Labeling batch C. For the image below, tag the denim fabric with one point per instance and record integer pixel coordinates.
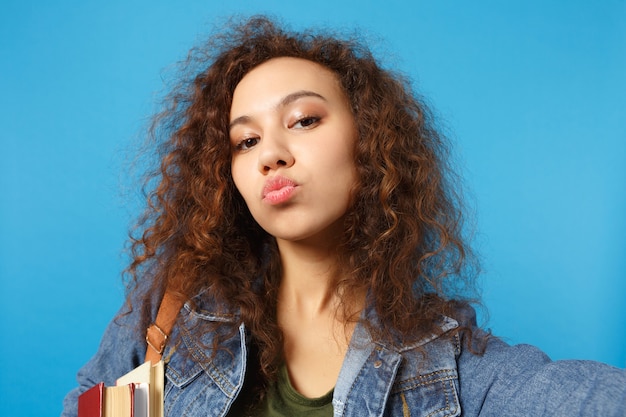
(436, 377)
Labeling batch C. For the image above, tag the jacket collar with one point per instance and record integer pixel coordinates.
(372, 366)
(193, 351)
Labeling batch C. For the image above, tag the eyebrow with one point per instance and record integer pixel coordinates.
(290, 98)
(287, 100)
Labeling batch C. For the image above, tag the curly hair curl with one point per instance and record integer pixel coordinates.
(403, 241)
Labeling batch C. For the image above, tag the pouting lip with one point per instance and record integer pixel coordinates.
(276, 183)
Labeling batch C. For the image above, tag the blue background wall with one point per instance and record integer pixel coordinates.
(533, 94)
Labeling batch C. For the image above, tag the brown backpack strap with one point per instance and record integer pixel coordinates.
(159, 330)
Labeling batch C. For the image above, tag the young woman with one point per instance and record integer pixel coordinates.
(305, 215)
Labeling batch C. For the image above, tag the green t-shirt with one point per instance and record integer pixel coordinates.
(282, 400)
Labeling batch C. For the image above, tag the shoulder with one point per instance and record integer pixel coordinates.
(491, 378)
(123, 345)
(522, 380)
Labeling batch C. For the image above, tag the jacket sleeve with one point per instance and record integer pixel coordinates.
(522, 381)
(122, 348)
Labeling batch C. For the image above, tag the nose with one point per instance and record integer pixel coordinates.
(274, 153)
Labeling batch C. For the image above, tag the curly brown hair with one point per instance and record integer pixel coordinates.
(403, 241)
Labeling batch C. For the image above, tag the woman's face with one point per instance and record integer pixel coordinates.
(293, 135)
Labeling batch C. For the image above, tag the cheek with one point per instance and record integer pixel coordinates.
(242, 180)
(235, 171)
(344, 162)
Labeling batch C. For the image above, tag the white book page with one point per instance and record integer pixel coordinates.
(139, 374)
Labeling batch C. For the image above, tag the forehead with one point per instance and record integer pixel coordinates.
(278, 77)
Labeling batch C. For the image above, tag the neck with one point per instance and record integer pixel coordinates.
(309, 274)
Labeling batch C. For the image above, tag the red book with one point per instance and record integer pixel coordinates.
(90, 402)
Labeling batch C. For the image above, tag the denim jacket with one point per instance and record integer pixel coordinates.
(436, 377)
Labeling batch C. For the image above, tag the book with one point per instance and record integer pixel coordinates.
(91, 402)
(101, 401)
(139, 393)
(154, 377)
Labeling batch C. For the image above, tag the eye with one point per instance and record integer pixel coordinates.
(246, 144)
(306, 122)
